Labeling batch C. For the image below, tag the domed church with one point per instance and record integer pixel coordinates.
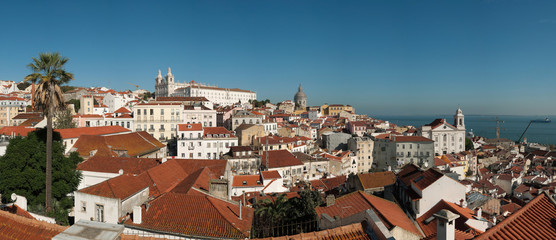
(300, 99)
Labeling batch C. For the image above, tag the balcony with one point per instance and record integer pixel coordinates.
(191, 147)
(162, 129)
(151, 130)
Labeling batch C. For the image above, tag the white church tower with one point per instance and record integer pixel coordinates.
(459, 120)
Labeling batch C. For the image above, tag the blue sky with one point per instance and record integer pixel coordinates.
(383, 57)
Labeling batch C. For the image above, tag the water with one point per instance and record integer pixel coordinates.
(485, 125)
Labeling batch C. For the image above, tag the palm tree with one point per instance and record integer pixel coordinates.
(48, 71)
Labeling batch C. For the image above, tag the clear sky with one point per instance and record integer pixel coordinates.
(383, 57)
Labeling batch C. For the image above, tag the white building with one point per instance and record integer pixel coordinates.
(196, 141)
(117, 100)
(7, 87)
(245, 117)
(167, 87)
(199, 114)
(420, 190)
(447, 138)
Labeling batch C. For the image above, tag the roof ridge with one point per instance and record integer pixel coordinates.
(518, 213)
(208, 197)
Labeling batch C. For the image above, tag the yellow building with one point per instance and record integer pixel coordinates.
(9, 108)
(336, 109)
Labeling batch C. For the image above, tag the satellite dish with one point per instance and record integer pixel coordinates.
(14, 197)
(426, 164)
(121, 171)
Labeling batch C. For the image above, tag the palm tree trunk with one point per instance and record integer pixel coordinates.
(48, 204)
(33, 97)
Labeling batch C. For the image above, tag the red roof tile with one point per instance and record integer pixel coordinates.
(534, 221)
(270, 174)
(120, 187)
(389, 212)
(429, 228)
(247, 181)
(190, 127)
(104, 130)
(211, 217)
(412, 139)
(354, 231)
(17, 227)
(280, 158)
(16, 130)
(327, 184)
(216, 130)
(114, 164)
(122, 110)
(134, 143)
(14, 209)
(377, 179)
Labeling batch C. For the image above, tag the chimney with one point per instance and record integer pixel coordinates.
(480, 213)
(445, 225)
(240, 208)
(20, 201)
(137, 215)
(163, 160)
(330, 200)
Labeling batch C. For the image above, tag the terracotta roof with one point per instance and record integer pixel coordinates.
(389, 212)
(114, 164)
(122, 110)
(247, 181)
(190, 127)
(16, 130)
(15, 227)
(280, 158)
(87, 116)
(14, 209)
(28, 115)
(377, 179)
(125, 115)
(211, 217)
(217, 130)
(438, 122)
(182, 99)
(429, 227)
(354, 231)
(534, 221)
(510, 207)
(327, 184)
(412, 139)
(134, 143)
(270, 174)
(104, 130)
(120, 187)
(427, 178)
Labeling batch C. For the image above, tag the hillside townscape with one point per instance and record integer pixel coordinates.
(194, 160)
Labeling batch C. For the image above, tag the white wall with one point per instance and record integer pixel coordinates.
(444, 188)
(111, 207)
(92, 178)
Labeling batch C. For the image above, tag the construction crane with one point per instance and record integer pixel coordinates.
(136, 86)
(533, 121)
(498, 127)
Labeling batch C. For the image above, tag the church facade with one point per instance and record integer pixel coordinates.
(167, 87)
(448, 138)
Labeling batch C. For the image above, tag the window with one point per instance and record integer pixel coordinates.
(138, 111)
(152, 112)
(161, 111)
(99, 212)
(83, 206)
(190, 155)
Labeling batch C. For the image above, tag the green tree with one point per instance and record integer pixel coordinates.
(23, 85)
(76, 104)
(468, 144)
(64, 119)
(48, 70)
(22, 171)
